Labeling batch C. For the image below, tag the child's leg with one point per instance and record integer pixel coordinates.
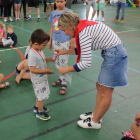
(118, 10)
(122, 10)
(1, 77)
(97, 13)
(22, 67)
(38, 11)
(39, 104)
(48, 9)
(94, 7)
(102, 12)
(52, 7)
(26, 76)
(18, 10)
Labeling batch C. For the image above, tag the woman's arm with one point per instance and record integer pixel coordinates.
(62, 52)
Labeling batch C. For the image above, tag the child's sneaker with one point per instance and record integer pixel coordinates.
(103, 20)
(38, 19)
(42, 115)
(10, 19)
(97, 19)
(121, 21)
(28, 19)
(35, 109)
(114, 20)
(88, 123)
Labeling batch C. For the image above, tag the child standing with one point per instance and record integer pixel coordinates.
(11, 35)
(48, 2)
(39, 71)
(59, 40)
(100, 7)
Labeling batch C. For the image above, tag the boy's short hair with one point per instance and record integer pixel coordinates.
(39, 36)
(10, 26)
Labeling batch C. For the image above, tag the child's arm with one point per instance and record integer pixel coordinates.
(51, 33)
(33, 69)
(48, 59)
(72, 45)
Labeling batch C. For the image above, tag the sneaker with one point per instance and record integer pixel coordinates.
(42, 115)
(121, 21)
(28, 18)
(103, 20)
(114, 20)
(38, 19)
(87, 115)
(5, 20)
(35, 109)
(97, 19)
(88, 123)
(47, 17)
(18, 19)
(10, 19)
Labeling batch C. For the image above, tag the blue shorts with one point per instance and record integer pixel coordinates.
(17, 1)
(17, 72)
(49, 1)
(114, 69)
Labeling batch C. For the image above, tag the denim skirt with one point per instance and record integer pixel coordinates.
(114, 69)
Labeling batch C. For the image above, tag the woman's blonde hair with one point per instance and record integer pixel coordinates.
(3, 26)
(67, 19)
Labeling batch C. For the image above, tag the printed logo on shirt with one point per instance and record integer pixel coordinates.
(56, 24)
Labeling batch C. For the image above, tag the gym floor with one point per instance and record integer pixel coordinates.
(17, 120)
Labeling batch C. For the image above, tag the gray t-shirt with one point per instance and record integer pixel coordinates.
(122, 1)
(35, 59)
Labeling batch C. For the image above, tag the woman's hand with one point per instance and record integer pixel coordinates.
(135, 130)
(137, 119)
(62, 70)
(59, 52)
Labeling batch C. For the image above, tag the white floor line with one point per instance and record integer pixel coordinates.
(14, 48)
(126, 31)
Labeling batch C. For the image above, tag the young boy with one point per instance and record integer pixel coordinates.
(48, 2)
(100, 7)
(34, 3)
(60, 41)
(39, 71)
(11, 35)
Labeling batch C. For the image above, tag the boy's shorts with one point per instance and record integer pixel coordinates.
(93, 4)
(49, 1)
(33, 3)
(41, 90)
(100, 6)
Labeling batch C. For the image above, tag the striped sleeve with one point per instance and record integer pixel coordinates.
(85, 42)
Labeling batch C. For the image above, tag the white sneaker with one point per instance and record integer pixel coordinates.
(87, 115)
(97, 19)
(5, 20)
(88, 123)
(10, 19)
(103, 20)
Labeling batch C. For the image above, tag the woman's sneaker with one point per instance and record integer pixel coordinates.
(43, 115)
(10, 19)
(88, 123)
(35, 109)
(5, 20)
(87, 115)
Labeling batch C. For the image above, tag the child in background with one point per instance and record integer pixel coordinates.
(1, 9)
(22, 70)
(100, 7)
(11, 35)
(59, 40)
(48, 2)
(2, 31)
(38, 69)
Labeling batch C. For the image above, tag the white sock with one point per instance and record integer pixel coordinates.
(29, 16)
(38, 16)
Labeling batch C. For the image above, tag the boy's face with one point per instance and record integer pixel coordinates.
(10, 30)
(41, 46)
(60, 4)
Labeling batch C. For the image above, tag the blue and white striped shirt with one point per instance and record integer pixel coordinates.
(98, 36)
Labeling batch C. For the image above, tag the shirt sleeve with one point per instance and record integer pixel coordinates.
(15, 40)
(85, 42)
(32, 61)
(51, 18)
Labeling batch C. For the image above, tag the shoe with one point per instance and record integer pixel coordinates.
(38, 19)
(10, 19)
(18, 19)
(35, 109)
(103, 20)
(114, 20)
(121, 21)
(28, 19)
(97, 19)
(5, 20)
(25, 17)
(87, 115)
(47, 17)
(42, 115)
(88, 123)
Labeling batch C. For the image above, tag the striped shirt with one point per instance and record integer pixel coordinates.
(98, 36)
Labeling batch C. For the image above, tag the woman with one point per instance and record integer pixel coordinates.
(89, 36)
(17, 5)
(7, 4)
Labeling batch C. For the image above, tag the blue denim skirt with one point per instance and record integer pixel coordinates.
(114, 69)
